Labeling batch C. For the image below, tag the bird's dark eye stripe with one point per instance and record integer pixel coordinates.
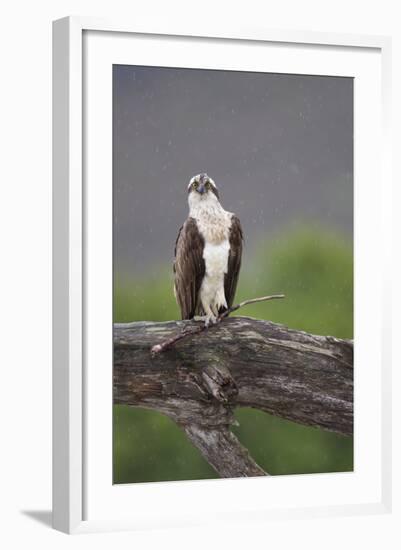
(208, 184)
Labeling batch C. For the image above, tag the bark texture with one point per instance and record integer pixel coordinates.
(241, 362)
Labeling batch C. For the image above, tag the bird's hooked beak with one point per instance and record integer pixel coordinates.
(201, 188)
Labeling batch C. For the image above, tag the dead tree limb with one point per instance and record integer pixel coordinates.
(191, 331)
(242, 362)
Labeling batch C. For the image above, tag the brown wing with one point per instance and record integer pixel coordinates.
(234, 260)
(189, 268)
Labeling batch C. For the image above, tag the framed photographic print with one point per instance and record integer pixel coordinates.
(219, 219)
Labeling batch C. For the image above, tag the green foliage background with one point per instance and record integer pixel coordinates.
(313, 267)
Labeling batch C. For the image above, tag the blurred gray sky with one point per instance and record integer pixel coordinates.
(279, 147)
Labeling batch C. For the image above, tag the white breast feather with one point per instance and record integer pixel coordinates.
(212, 289)
(214, 225)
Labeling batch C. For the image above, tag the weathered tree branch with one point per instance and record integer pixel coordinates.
(243, 362)
(223, 451)
(190, 332)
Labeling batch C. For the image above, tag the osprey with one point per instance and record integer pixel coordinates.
(207, 254)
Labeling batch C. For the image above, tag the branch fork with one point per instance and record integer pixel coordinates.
(167, 344)
(291, 374)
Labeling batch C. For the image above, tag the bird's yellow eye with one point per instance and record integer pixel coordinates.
(195, 184)
(208, 185)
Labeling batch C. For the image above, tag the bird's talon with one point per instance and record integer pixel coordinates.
(210, 319)
(199, 318)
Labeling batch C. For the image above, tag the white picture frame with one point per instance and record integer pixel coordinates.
(75, 478)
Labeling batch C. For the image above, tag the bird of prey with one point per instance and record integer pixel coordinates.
(207, 254)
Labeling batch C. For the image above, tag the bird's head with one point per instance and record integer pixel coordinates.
(202, 189)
